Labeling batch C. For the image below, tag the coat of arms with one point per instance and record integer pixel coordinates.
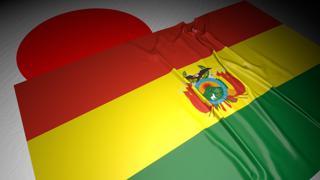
(218, 88)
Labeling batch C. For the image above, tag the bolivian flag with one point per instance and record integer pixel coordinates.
(232, 95)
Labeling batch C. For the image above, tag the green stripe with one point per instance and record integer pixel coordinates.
(271, 138)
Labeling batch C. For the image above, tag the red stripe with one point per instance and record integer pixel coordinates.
(52, 99)
(236, 23)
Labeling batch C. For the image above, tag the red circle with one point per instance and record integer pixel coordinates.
(71, 36)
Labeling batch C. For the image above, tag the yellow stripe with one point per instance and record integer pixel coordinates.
(120, 138)
(261, 62)
(276, 56)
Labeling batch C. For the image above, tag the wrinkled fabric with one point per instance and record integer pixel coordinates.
(142, 110)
